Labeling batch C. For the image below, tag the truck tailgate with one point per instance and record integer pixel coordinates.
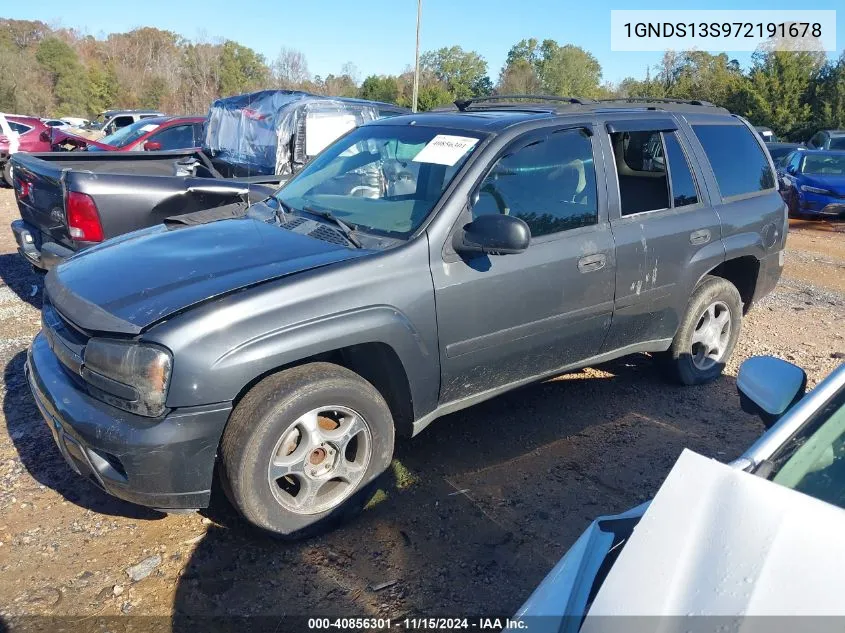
(40, 194)
(130, 190)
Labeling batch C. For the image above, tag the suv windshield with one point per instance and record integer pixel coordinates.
(813, 461)
(381, 179)
(126, 135)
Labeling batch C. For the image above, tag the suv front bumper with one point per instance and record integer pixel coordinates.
(164, 463)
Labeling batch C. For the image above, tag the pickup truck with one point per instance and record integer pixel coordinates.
(286, 348)
(70, 201)
(253, 144)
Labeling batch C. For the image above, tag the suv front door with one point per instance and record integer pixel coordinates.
(505, 319)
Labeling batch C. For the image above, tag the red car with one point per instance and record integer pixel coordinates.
(33, 136)
(153, 133)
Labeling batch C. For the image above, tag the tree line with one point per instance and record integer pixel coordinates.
(62, 72)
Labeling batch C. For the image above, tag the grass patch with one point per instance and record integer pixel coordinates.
(404, 477)
(379, 496)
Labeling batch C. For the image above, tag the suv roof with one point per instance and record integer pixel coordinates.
(499, 112)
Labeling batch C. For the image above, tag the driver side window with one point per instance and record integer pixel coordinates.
(549, 183)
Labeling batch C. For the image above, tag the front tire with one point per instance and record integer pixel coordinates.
(707, 335)
(303, 449)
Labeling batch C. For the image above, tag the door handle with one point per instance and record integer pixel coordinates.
(699, 237)
(589, 263)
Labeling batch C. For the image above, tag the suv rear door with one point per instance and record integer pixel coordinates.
(506, 318)
(743, 188)
(666, 232)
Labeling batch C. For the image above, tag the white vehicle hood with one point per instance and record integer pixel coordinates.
(717, 541)
(14, 138)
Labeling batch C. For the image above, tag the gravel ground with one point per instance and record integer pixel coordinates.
(479, 509)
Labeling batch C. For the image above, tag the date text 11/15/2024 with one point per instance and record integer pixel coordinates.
(417, 624)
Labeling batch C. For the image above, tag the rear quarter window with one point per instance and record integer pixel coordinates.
(738, 161)
(20, 128)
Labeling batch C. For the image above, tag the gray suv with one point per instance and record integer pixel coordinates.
(419, 265)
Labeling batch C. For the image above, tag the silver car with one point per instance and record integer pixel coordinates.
(803, 451)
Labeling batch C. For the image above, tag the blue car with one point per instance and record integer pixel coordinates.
(813, 183)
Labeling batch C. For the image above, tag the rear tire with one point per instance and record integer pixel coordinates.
(707, 335)
(7, 174)
(304, 448)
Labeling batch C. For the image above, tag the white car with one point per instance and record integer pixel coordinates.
(760, 536)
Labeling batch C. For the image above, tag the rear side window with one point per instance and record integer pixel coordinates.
(837, 142)
(176, 137)
(738, 161)
(549, 183)
(683, 184)
(20, 128)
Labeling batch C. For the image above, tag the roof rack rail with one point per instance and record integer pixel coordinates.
(697, 102)
(464, 104)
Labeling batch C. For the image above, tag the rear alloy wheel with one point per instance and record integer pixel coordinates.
(304, 448)
(707, 335)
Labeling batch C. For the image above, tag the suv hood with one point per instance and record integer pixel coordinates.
(127, 284)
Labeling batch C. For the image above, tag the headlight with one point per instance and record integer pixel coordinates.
(810, 189)
(130, 376)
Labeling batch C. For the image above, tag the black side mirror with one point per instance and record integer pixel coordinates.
(769, 387)
(493, 234)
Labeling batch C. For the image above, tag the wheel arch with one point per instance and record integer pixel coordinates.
(742, 272)
(376, 362)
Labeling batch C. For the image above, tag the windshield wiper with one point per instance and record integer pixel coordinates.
(281, 209)
(348, 231)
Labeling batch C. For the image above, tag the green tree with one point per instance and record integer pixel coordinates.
(433, 95)
(154, 93)
(241, 69)
(779, 90)
(380, 88)
(104, 88)
(518, 77)
(69, 79)
(827, 96)
(569, 70)
(464, 73)
(552, 69)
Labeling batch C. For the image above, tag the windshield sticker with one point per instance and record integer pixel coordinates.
(149, 127)
(445, 149)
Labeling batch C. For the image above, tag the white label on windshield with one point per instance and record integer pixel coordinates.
(149, 127)
(320, 131)
(445, 149)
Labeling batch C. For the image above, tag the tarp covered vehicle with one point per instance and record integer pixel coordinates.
(278, 131)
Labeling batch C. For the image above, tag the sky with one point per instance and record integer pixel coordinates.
(378, 35)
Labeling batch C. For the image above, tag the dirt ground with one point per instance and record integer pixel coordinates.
(484, 503)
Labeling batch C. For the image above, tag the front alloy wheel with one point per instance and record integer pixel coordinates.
(304, 449)
(320, 461)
